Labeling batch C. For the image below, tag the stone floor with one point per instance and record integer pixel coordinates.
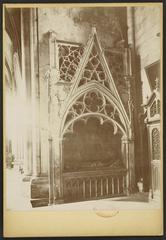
(18, 195)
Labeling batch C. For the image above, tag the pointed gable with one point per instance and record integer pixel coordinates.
(93, 70)
(93, 66)
(93, 76)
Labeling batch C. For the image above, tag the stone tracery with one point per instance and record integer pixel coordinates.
(69, 58)
(93, 70)
(93, 103)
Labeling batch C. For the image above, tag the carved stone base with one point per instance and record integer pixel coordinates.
(39, 202)
(39, 191)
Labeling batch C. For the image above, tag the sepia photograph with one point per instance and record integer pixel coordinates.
(82, 107)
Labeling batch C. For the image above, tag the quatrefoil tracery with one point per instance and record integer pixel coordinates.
(93, 101)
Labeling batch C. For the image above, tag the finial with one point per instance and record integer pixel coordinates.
(94, 29)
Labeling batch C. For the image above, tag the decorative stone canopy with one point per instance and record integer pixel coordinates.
(93, 77)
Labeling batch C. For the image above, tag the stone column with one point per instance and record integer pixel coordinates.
(55, 119)
(135, 86)
(51, 173)
(56, 147)
(35, 94)
(130, 25)
(25, 162)
(125, 155)
(40, 186)
(131, 159)
(26, 78)
(128, 153)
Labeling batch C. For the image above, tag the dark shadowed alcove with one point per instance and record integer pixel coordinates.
(92, 145)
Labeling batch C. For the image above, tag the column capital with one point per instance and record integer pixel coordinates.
(124, 138)
(52, 35)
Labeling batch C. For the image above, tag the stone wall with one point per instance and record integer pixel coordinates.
(74, 24)
(147, 42)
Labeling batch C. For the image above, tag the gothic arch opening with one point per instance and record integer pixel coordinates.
(93, 157)
(92, 101)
